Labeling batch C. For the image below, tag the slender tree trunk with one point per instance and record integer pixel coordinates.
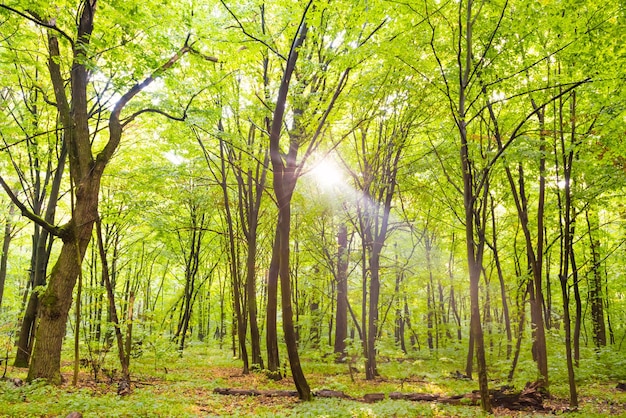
(42, 247)
(452, 301)
(578, 307)
(534, 254)
(457, 315)
(370, 364)
(503, 298)
(595, 284)
(123, 358)
(567, 242)
(285, 289)
(284, 181)
(271, 331)
(341, 317)
(429, 317)
(4, 257)
(475, 257)
(398, 300)
(255, 339)
(469, 360)
(520, 333)
(238, 298)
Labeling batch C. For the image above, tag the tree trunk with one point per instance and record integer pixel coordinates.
(271, 331)
(42, 246)
(567, 216)
(4, 257)
(235, 273)
(534, 253)
(255, 339)
(56, 301)
(284, 181)
(285, 290)
(578, 308)
(474, 257)
(520, 333)
(503, 298)
(595, 284)
(429, 316)
(372, 330)
(341, 317)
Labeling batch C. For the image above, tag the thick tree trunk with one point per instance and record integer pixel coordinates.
(56, 301)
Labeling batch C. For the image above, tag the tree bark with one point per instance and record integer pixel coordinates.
(595, 283)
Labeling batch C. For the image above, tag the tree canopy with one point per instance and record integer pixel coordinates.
(381, 179)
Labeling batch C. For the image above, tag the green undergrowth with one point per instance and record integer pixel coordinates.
(168, 385)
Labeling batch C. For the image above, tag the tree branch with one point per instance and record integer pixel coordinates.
(115, 125)
(515, 134)
(249, 35)
(39, 22)
(52, 229)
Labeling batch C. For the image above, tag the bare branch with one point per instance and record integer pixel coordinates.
(39, 22)
(376, 29)
(516, 132)
(52, 229)
(194, 51)
(164, 113)
(251, 36)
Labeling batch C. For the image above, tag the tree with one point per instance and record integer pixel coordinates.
(86, 170)
(379, 146)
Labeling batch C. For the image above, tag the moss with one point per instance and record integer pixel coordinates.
(49, 300)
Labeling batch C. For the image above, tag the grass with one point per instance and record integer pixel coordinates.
(167, 385)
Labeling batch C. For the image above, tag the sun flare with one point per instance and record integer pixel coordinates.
(327, 173)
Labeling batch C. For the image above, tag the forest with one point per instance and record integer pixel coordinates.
(277, 207)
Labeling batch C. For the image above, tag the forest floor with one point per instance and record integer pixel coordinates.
(171, 386)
